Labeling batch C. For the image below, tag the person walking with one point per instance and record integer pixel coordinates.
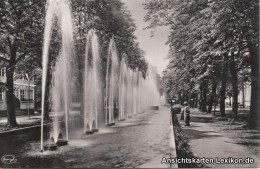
(182, 113)
(186, 111)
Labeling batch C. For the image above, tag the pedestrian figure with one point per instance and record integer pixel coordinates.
(186, 111)
(182, 113)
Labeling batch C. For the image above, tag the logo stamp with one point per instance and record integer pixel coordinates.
(9, 159)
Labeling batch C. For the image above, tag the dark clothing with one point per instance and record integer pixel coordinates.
(182, 116)
(186, 115)
(187, 121)
(182, 113)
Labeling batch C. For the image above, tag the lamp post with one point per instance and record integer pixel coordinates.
(28, 77)
(28, 94)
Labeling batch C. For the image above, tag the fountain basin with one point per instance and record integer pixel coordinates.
(95, 130)
(62, 142)
(50, 147)
(89, 132)
(154, 107)
(111, 124)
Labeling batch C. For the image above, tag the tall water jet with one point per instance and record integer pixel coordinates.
(61, 10)
(134, 88)
(91, 83)
(129, 92)
(152, 88)
(57, 98)
(111, 83)
(139, 91)
(122, 89)
(133, 94)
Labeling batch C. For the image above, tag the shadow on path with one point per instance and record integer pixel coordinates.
(206, 141)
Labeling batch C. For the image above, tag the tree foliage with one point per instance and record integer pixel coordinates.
(209, 42)
(21, 36)
(21, 32)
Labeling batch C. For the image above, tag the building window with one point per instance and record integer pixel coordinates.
(22, 94)
(2, 72)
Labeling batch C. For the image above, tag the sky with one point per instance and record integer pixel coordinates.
(155, 49)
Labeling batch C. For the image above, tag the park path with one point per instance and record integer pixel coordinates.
(140, 141)
(206, 141)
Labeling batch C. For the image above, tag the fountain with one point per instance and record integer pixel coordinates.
(134, 78)
(59, 103)
(50, 147)
(139, 91)
(122, 89)
(111, 83)
(61, 10)
(127, 92)
(91, 83)
(136, 93)
(152, 92)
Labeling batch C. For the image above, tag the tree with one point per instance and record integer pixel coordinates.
(252, 39)
(182, 17)
(109, 18)
(21, 36)
(200, 30)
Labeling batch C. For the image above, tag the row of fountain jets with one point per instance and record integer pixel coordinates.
(127, 92)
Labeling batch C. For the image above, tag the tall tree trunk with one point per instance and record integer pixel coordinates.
(186, 96)
(215, 104)
(192, 100)
(204, 97)
(81, 75)
(82, 98)
(230, 102)
(10, 101)
(196, 102)
(223, 85)
(212, 96)
(201, 97)
(233, 72)
(243, 94)
(253, 120)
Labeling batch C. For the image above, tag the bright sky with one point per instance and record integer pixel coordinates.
(154, 47)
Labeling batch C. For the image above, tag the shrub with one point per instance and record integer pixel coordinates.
(183, 149)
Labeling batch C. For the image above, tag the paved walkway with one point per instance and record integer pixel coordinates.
(140, 141)
(26, 119)
(21, 119)
(206, 141)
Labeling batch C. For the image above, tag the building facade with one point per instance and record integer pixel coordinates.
(246, 96)
(24, 90)
(243, 97)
